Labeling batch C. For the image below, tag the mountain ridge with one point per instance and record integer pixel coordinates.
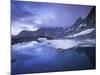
(81, 25)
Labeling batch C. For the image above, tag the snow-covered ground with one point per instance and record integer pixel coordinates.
(84, 32)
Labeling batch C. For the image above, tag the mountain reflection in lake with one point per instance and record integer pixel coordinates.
(35, 57)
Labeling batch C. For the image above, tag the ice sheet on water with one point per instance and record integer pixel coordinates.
(58, 43)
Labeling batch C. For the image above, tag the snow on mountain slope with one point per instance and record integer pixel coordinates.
(87, 31)
(84, 32)
(83, 28)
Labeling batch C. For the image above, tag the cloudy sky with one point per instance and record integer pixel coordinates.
(34, 15)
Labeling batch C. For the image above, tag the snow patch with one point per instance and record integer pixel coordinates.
(67, 30)
(84, 32)
(80, 25)
(85, 25)
(77, 28)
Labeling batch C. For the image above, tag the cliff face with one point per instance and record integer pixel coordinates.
(84, 26)
(91, 18)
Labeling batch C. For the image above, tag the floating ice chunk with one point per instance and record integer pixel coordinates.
(24, 45)
(42, 39)
(63, 44)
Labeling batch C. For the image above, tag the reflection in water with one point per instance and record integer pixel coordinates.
(31, 57)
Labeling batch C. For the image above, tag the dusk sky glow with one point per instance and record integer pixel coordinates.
(34, 15)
